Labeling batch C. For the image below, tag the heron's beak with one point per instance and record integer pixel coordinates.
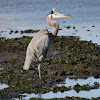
(57, 15)
(62, 15)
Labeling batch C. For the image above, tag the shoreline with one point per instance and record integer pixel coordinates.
(86, 33)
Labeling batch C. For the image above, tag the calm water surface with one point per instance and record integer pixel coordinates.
(31, 14)
(2, 86)
(69, 82)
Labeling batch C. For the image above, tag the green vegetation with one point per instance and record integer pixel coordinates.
(67, 56)
(66, 98)
(78, 88)
(24, 31)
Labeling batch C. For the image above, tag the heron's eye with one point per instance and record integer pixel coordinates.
(51, 12)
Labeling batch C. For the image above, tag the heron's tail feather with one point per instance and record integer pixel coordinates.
(27, 64)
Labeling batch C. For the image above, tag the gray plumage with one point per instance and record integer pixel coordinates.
(38, 47)
(40, 43)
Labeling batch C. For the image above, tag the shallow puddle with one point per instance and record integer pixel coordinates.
(69, 82)
(72, 82)
(86, 94)
(2, 86)
(1, 68)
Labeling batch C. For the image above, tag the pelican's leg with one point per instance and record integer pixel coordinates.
(39, 71)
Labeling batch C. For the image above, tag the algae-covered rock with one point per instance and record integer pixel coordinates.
(67, 56)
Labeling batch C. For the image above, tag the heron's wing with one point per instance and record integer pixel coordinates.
(39, 43)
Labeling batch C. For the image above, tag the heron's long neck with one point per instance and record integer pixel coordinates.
(53, 24)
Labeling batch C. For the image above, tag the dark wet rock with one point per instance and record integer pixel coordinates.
(75, 98)
(24, 31)
(74, 33)
(74, 27)
(60, 29)
(66, 98)
(87, 87)
(68, 27)
(93, 26)
(97, 76)
(88, 30)
(11, 31)
(76, 30)
(58, 80)
(29, 31)
(16, 31)
(61, 89)
(96, 85)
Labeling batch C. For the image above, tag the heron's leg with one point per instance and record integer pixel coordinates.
(39, 71)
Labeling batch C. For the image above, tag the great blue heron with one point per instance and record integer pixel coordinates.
(40, 43)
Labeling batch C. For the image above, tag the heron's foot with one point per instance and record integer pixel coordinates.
(42, 79)
(31, 67)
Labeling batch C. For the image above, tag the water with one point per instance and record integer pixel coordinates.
(69, 82)
(31, 14)
(72, 82)
(86, 94)
(2, 86)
